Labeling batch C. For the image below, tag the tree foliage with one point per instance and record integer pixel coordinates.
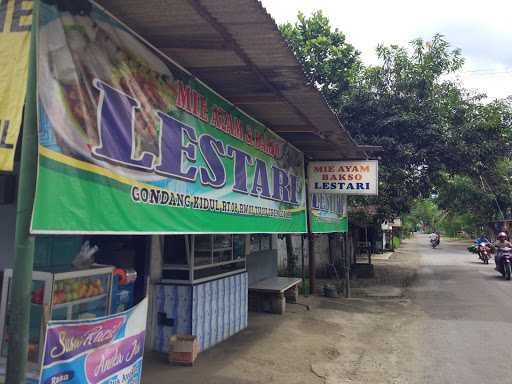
(425, 215)
(331, 63)
(436, 137)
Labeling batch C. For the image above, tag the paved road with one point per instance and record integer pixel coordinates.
(466, 330)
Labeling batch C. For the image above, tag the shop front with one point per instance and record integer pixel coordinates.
(135, 153)
(134, 144)
(159, 176)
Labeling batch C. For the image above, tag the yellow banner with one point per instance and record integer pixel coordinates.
(15, 25)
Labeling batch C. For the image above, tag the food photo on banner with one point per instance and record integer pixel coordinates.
(129, 142)
(99, 351)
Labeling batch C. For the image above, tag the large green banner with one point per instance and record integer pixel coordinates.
(130, 142)
(328, 213)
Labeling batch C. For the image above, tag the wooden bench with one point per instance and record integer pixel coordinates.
(271, 294)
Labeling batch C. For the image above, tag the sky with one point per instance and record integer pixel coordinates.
(482, 30)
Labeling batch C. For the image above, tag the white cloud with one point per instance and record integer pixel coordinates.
(483, 30)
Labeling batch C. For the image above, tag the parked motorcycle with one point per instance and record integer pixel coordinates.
(504, 262)
(484, 252)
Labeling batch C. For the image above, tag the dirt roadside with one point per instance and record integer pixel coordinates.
(381, 326)
(366, 339)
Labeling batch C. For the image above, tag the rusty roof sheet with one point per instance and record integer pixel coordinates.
(235, 47)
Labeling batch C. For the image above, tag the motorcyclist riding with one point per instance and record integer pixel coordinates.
(482, 239)
(483, 248)
(500, 243)
(435, 238)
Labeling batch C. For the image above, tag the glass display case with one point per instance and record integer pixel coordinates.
(58, 295)
(199, 258)
(261, 242)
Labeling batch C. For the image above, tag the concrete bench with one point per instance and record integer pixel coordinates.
(271, 294)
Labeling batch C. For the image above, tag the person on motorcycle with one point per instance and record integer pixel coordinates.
(482, 239)
(435, 239)
(435, 236)
(500, 243)
(483, 248)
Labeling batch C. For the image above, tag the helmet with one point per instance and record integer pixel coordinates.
(502, 235)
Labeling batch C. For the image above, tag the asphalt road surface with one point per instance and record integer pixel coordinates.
(465, 332)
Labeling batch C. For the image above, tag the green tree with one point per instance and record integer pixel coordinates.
(436, 137)
(330, 63)
(424, 213)
(478, 184)
(406, 106)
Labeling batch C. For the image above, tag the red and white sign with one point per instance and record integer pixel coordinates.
(344, 177)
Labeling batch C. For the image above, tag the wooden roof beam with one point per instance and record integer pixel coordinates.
(294, 128)
(243, 68)
(163, 42)
(315, 147)
(257, 99)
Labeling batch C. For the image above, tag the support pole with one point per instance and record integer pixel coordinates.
(311, 239)
(19, 309)
(347, 265)
(291, 264)
(312, 263)
(306, 293)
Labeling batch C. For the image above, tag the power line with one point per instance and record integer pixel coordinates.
(504, 73)
(478, 72)
(485, 70)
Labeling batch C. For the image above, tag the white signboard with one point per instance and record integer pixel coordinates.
(345, 177)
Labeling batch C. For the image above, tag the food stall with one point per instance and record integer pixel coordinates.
(65, 295)
(60, 291)
(203, 289)
(63, 290)
(132, 143)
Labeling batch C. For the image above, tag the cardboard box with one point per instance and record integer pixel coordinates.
(183, 349)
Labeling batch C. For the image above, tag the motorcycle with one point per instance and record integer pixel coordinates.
(484, 252)
(434, 242)
(504, 262)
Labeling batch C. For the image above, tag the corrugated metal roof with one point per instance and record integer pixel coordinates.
(235, 47)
